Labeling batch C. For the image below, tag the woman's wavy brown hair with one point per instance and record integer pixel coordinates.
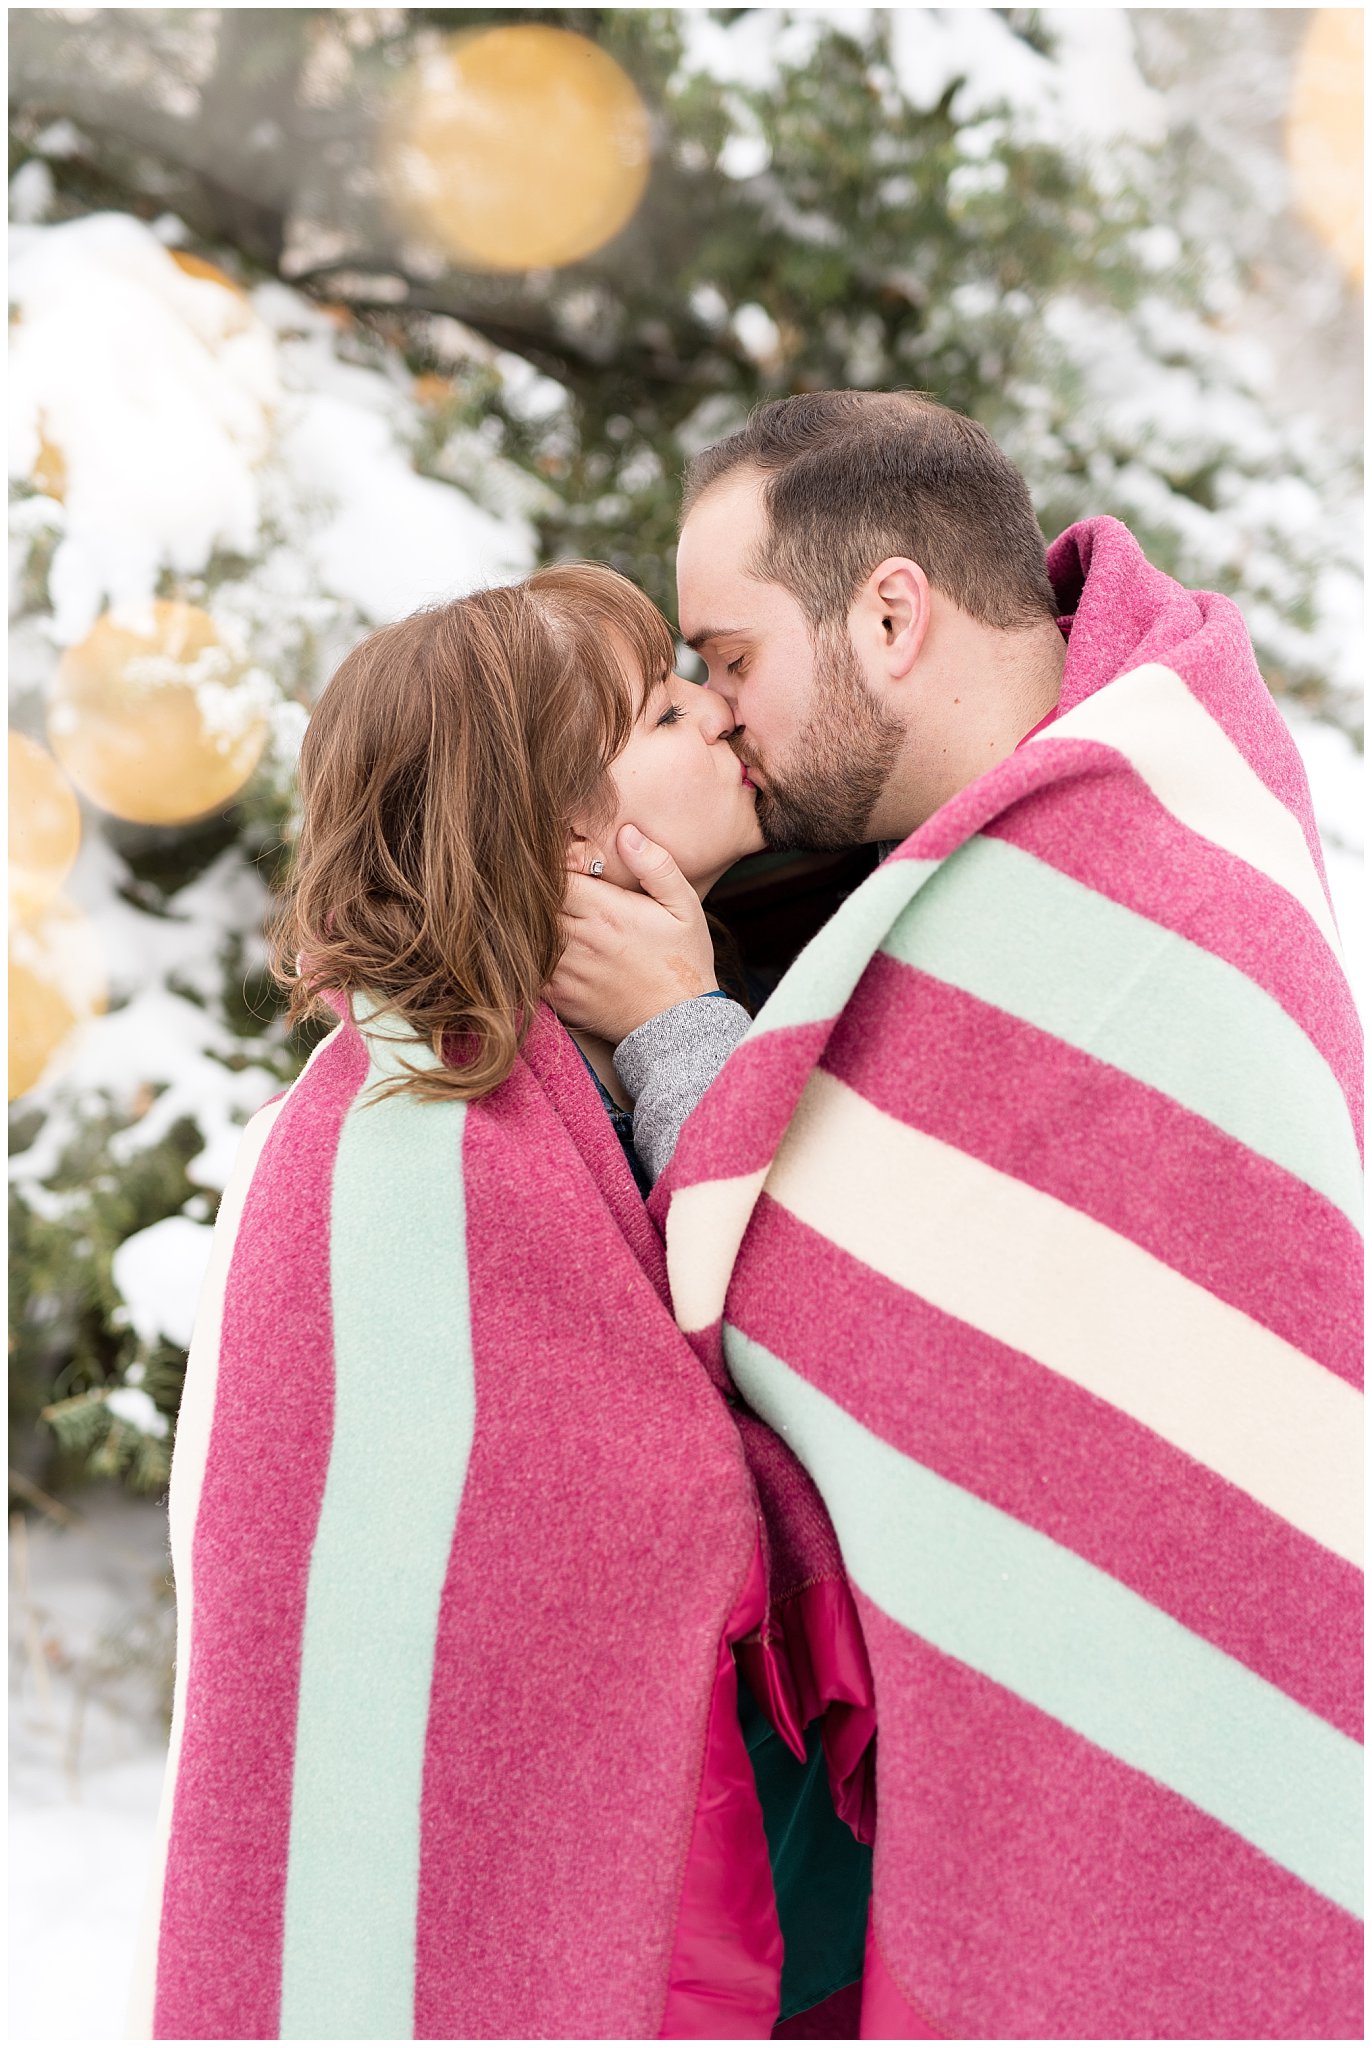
(440, 773)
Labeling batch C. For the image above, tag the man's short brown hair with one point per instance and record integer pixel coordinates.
(852, 477)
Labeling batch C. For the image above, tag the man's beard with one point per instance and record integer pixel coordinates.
(843, 758)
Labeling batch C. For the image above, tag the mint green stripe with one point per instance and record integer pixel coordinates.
(403, 1421)
(1016, 933)
(822, 977)
(1037, 1619)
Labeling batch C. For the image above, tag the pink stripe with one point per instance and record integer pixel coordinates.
(219, 1964)
(1108, 830)
(978, 1078)
(607, 1509)
(560, 1071)
(1057, 1458)
(887, 2014)
(1030, 1885)
(737, 1124)
(801, 1546)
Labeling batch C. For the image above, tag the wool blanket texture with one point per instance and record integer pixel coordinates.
(1028, 1215)
(462, 1538)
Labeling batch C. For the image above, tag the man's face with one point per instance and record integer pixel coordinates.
(811, 733)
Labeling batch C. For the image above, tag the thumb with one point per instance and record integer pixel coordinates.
(655, 871)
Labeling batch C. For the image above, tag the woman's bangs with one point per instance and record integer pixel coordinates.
(617, 608)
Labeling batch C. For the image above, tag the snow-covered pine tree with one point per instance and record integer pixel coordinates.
(337, 423)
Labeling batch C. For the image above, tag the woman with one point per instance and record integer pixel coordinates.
(463, 1535)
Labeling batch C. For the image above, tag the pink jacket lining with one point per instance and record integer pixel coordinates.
(803, 1659)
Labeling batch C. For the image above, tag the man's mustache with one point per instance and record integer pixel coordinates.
(744, 756)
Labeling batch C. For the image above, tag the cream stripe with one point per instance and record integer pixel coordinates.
(1031, 1615)
(195, 1419)
(1197, 773)
(705, 1226)
(1052, 1282)
(194, 1422)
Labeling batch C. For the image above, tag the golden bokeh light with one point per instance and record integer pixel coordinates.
(1324, 133)
(156, 720)
(56, 984)
(518, 147)
(45, 827)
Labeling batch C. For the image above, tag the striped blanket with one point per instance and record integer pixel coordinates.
(1028, 1215)
(462, 1537)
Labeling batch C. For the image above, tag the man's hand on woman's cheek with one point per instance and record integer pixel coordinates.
(629, 956)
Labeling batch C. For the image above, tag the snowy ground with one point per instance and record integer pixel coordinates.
(90, 1650)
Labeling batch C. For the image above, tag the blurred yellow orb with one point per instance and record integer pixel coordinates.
(154, 718)
(56, 984)
(1324, 133)
(518, 147)
(45, 827)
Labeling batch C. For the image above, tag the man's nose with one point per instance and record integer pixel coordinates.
(722, 684)
(717, 719)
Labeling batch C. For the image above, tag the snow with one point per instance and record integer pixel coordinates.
(747, 52)
(32, 190)
(744, 156)
(347, 452)
(170, 395)
(90, 1657)
(156, 387)
(1090, 92)
(132, 1405)
(1162, 396)
(158, 1272)
(757, 332)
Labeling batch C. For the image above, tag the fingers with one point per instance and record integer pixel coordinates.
(583, 897)
(656, 872)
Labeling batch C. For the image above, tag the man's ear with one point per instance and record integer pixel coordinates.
(890, 616)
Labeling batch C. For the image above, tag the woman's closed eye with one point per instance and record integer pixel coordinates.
(671, 715)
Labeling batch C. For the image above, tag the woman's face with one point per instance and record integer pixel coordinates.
(681, 783)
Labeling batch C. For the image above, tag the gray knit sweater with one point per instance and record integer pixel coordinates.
(669, 1062)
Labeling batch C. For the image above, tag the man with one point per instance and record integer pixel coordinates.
(867, 687)
(1027, 1212)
